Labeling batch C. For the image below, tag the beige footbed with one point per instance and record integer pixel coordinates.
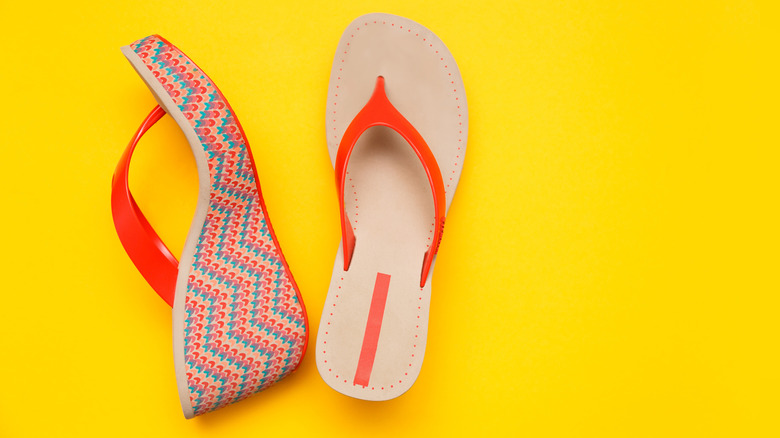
(188, 253)
(388, 198)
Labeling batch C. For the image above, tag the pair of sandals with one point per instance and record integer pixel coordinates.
(239, 322)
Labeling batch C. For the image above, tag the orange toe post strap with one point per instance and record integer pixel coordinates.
(149, 254)
(380, 112)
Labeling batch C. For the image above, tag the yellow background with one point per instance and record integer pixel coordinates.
(611, 258)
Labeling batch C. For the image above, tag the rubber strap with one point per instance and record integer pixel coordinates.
(380, 112)
(149, 254)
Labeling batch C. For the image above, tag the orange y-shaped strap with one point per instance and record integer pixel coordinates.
(149, 254)
(380, 112)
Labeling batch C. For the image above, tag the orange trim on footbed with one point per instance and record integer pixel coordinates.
(373, 327)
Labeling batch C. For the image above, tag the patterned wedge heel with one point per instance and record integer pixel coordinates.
(239, 323)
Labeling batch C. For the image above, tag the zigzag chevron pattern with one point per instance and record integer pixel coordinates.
(245, 327)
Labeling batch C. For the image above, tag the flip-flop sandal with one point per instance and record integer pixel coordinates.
(395, 183)
(239, 323)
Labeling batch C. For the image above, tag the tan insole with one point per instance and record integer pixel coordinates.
(389, 202)
(188, 253)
